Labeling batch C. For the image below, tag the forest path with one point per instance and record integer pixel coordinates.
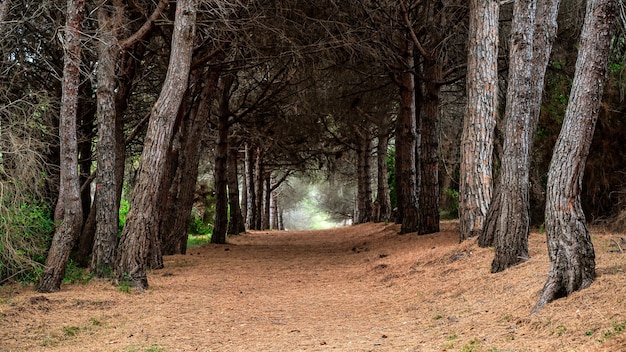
(358, 288)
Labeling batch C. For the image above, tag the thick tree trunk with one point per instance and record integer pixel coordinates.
(406, 145)
(68, 214)
(383, 201)
(141, 226)
(428, 221)
(480, 118)
(572, 257)
(105, 239)
(183, 186)
(364, 183)
(511, 246)
(508, 216)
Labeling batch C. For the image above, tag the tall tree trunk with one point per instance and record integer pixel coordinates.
(244, 192)
(68, 214)
(105, 239)
(181, 193)
(235, 223)
(265, 224)
(508, 216)
(476, 181)
(364, 188)
(428, 221)
(221, 180)
(274, 216)
(258, 187)
(383, 200)
(250, 191)
(511, 247)
(572, 258)
(406, 145)
(141, 226)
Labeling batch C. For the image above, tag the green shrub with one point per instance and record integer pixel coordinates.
(124, 208)
(26, 230)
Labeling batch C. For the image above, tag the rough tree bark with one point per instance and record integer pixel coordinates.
(480, 118)
(406, 142)
(181, 193)
(572, 257)
(508, 220)
(105, 238)
(428, 220)
(511, 246)
(141, 226)
(68, 214)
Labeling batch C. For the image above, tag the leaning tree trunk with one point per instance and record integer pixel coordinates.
(406, 141)
(105, 238)
(183, 186)
(572, 258)
(141, 224)
(68, 214)
(480, 118)
(508, 216)
(429, 150)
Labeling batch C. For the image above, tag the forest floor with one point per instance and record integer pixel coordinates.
(358, 288)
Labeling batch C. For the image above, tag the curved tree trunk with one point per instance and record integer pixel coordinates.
(572, 258)
(183, 186)
(68, 213)
(508, 216)
(142, 226)
(480, 118)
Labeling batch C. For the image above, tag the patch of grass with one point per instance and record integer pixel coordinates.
(560, 330)
(617, 329)
(153, 348)
(198, 240)
(76, 275)
(472, 346)
(437, 316)
(453, 337)
(71, 330)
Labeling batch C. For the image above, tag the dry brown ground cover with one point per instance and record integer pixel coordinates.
(360, 288)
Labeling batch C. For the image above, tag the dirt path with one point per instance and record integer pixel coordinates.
(360, 288)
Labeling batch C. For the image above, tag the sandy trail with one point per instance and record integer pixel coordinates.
(359, 288)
